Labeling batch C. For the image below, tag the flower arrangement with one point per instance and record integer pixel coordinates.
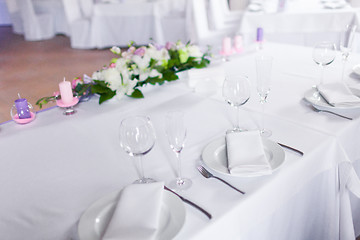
(136, 67)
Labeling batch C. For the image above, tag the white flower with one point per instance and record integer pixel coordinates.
(115, 50)
(113, 78)
(194, 51)
(97, 75)
(154, 73)
(141, 62)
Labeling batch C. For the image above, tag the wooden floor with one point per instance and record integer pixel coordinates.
(34, 69)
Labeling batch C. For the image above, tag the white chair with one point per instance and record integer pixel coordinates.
(221, 18)
(80, 26)
(86, 7)
(198, 26)
(15, 16)
(237, 4)
(36, 26)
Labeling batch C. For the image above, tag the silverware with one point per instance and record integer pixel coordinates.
(336, 114)
(291, 148)
(190, 202)
(208, 174)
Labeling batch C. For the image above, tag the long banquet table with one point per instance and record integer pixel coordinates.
(54, 168)
(304, 22)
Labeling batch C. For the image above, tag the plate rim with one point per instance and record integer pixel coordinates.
(110, 198)
(221, 141)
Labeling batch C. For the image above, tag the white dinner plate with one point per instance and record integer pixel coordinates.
(214, 157)
(356, 69)
(255, 7)
(95, 219)
(335, 5)
(323, 105)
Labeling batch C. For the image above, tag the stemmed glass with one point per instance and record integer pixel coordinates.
(137, 138)
(236, 92)
(263, 77)
(176, 134)
(323, 54)
(346, 40)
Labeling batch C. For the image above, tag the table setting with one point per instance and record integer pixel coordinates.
(249, 159)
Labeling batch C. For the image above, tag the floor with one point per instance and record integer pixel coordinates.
(34, 69)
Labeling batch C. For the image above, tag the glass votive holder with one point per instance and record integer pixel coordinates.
(22, 112)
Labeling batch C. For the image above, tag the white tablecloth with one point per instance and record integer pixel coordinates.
(55, 167)
(303, 22)
(116, 24)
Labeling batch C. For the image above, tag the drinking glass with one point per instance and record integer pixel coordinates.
(323, 54)
(346, 40)
(137, 138)
(263, 79)
(176, 134)
(236, 92)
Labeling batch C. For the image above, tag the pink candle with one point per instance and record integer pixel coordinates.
(238, 44)
(66, 92)
(226, 45)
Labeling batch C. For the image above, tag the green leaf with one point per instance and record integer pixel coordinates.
(137, 94)
(100, 87)
(169, 75)
(106, 96)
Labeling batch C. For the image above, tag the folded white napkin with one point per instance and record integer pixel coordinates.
(137, 213)
(338, 95)
(245, 153)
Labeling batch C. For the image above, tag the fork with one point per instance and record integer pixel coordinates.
(208, 174)
(336, 114)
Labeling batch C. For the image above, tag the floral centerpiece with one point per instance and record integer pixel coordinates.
(136, 67)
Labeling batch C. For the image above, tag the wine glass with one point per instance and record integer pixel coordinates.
(263, 79)
(176, 134)
(346, 40)
(323, 54)
(137, 138)
(236, 92)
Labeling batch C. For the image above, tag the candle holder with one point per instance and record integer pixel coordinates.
(68, 107)
(17, 117)
(226, 54)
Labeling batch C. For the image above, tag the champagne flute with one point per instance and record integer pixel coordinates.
(137, 138)
(236, 92)
(323, 54)
(346, 40)
(263, 77)
(176, 134)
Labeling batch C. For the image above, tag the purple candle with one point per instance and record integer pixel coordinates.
(22, 108)
(259, 34)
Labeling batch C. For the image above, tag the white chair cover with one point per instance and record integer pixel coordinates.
(36, 26)
(80, 27)
(86, 7)
(238, 4)
(219, 19)
(198, 26)
(15, 16)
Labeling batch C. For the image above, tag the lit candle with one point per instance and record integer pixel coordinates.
(66, 92)
(226, 45)
(22, 108)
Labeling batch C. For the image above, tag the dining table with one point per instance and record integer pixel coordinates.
(304, 22)
(55, 168)
(118, 22)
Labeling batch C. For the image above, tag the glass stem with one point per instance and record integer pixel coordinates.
(262, 116)
(179, 181)
(322, 74)
(140, 167)
(343, 69)
(237, 124)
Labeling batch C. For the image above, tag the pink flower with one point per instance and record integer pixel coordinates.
(169, 45)
(57, 93)
(112, 65)
(140, 51)
(75, 82)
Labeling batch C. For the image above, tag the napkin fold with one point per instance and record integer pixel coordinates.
(338, 95)
(245, 153)
(137, 213)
